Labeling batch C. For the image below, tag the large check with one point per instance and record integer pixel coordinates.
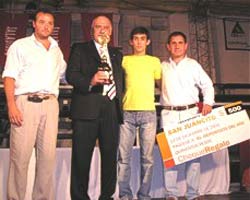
(223, 127)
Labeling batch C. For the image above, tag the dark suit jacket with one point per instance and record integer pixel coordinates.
(83, 64)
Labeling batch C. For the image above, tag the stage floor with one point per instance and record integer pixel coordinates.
(231, 196)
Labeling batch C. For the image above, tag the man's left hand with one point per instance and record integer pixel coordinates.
(206, 109)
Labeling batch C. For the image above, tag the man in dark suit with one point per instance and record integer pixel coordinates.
(95, 114)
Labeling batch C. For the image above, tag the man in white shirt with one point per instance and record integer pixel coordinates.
(31, 77)
(182, 80)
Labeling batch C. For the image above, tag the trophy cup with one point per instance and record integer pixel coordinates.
(104, 66)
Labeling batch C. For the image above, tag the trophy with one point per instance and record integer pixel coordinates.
(104, 66)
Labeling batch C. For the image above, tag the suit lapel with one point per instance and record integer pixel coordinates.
(93, 51)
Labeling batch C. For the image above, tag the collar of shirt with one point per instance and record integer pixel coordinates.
(98, 46)
(174, 64)
(53, 42)
(36, 69)
(106, 52)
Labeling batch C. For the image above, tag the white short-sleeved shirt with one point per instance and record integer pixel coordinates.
(34, 68)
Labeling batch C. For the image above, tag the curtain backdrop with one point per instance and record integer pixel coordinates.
(62, 32)
(12, 27)
(15, 26)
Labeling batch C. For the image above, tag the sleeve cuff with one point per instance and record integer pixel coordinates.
(90, 87)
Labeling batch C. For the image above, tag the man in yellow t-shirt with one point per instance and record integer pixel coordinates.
(141, 73)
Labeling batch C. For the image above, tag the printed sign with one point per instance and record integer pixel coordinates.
(12, 28)
(223, 127)
(237, 34)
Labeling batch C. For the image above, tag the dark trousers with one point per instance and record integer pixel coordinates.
(85, 133)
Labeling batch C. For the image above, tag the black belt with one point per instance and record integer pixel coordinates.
(179, 108)
(36, 98)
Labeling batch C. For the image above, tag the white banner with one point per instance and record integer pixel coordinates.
(223, 127)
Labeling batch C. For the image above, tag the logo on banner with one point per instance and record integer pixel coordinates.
(237, 33)
(237, 30)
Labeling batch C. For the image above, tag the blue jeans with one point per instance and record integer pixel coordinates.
(145, 121)
(192, 172)
(191, 168)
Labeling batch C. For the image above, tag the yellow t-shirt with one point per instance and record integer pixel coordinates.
(140, 75)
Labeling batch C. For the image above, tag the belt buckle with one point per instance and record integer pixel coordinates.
(35, 98)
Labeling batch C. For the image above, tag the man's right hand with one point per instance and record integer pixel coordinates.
(15, 116)
(100, 78)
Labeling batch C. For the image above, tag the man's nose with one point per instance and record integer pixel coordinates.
(102, 30)
(139, 42)
(46, 26)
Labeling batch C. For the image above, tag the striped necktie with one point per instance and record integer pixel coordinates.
(110, 89)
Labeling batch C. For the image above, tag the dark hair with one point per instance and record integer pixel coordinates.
(139, 30)
(42, 10)
(177, 33)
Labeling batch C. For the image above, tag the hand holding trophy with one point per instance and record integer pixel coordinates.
(104, 66)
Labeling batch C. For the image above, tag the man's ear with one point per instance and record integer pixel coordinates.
(167, 47)
(130, 42)
(186, 46)
(33, 24)
(148, 42)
